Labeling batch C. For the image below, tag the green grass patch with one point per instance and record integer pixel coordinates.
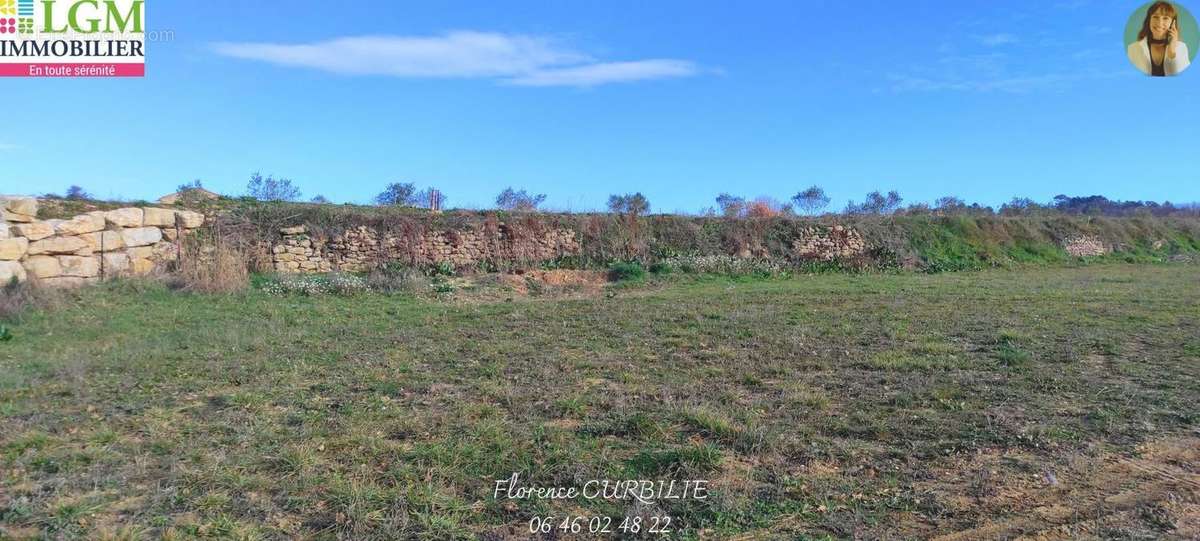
(826, 405)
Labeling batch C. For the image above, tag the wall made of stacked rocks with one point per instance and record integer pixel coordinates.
(362, 248)
(89, 247)
(1082, 246)
(828, 244)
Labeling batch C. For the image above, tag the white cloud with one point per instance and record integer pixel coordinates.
(608, 72)
(996, 40)
(519, 59)
(1011, 84)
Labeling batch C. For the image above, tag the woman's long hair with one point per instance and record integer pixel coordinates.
(1166, 6)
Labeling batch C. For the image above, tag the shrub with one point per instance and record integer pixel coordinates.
(76, 193)
(221, 269)
(731, 205)
(634, 204)
(405, 194)
(441, 285)
(811, 201)
(620, 272)
(876, 203)
(189, 186)
(397, 193)
(519, 200)
(14, 299)
(271, 188)
(660, 268)
(764, 207)
(441, 268)
(17, 298)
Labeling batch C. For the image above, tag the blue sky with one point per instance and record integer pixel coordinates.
(679, 100)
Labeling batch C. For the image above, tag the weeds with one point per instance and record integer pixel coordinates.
(216, 268)
(398, 279)
(626, 272)
(316, 285)
(724, 265)
(1009, 351)
(18, 298)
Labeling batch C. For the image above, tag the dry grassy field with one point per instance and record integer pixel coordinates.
(1058, 402)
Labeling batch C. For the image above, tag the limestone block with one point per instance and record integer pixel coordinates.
(126, 217)
(164, 251)
(141, 252)
(81, 267)
(104, 241)
(191, 220)
(298, 230)
(10, 216)
(20, 204)
(10, 270)
(171, 234)
(158, 217)
(13, 249)
(5, 231)
(84, 223)
(142, 236)
(34, 231)
(116, 263)
(140, 266)
(43, 266)
(58, 245)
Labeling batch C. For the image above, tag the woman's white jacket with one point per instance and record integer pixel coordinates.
(1139, 54)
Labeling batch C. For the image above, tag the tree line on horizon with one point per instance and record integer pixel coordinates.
(812, 201)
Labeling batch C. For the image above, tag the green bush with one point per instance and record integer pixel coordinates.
(442, 268)
(620, 272)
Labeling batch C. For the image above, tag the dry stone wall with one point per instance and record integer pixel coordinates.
(829, 244)
(1082, 246)
(89, 247)
(362, 248)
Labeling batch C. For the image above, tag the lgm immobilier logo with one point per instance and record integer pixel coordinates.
(72, 38)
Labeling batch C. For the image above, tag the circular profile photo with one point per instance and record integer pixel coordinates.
(1162, 39)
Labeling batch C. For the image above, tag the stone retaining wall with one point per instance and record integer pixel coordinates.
(88, 247)
(1084, 246)
(363, 248)
(829, 244)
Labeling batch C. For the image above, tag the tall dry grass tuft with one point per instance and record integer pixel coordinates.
(17, 298)
(212, 267)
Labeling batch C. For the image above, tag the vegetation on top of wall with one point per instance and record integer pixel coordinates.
(931, 242)
(926, 242)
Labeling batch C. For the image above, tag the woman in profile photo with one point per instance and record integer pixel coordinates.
(1160, 50)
